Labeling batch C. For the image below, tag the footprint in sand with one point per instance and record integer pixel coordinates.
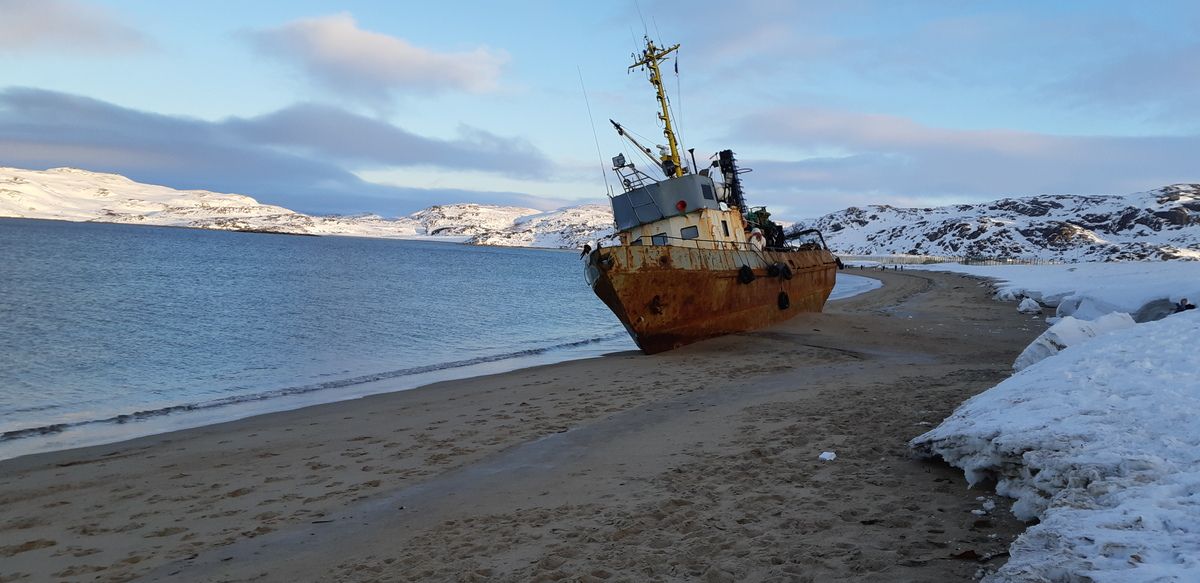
(75, 570)
(166, 532)
(26, 546)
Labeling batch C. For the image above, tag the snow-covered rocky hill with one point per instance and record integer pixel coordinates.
(71, 194)
(1154, 225)
(468, 220)
(565, 228)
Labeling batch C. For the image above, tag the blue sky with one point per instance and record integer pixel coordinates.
(391, 107)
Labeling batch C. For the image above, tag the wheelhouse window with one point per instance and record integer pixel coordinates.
(707, 192)
(692, 232)
(659, 239)
(637, 241)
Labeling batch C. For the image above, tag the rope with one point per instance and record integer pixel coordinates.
(595, 136)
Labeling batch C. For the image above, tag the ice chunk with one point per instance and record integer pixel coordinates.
(1101, 445)
(828, 456)
(1069, 331)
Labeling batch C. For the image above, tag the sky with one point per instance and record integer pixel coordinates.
(390, 107)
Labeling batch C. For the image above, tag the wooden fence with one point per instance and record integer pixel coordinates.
(965, 260)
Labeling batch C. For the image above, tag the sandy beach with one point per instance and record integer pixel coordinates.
(699, 464)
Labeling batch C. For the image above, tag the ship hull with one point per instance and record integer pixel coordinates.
(668, 296)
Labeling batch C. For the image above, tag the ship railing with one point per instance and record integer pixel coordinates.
(744, 252)
(667, 240)
(633, 177)
(670, 241)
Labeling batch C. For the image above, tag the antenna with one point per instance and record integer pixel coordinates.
(595, 136)
(679, 98)
(671, 163)
(638, 5)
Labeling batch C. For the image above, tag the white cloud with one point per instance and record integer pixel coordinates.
(333, 134)
(302, 157)
(64, 26)
(346, 59)
(1160, 83)
(899, 161)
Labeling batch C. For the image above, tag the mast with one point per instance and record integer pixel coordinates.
(651, 57)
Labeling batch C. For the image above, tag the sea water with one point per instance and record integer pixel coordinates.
(108, 331)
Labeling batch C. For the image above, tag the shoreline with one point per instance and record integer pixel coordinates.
(181, 416)
(114, 430)
(713, 440)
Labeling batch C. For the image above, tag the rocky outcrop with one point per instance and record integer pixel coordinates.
(1154, 225)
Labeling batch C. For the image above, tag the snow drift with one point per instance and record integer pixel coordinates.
(1102, 444)
(1096, 436)
(1069, 331)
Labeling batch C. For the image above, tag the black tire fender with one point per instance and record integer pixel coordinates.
(745, 274)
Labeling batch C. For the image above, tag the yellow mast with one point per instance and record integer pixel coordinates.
(650, 58)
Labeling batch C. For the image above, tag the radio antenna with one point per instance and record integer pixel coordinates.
(595, 136)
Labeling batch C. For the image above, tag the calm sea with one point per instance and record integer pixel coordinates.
(113, 331)
(105, 327)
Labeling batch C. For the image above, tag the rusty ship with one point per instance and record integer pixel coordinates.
(693, 260)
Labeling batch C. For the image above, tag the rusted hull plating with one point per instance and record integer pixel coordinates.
(671, 296)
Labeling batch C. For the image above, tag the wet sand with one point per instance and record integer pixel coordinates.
(699, 464)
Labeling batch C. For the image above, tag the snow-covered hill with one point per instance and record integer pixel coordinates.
(71, 194)
(1158, 224)
(468, 220)
(569, 227)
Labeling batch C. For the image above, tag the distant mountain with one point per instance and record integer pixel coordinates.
(569, 227)
(468, 220)
(71, 194)
(1154, 225)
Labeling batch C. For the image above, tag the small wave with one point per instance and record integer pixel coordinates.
(300, 390)
(36, 408)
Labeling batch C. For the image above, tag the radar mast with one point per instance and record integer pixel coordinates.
(651, 57)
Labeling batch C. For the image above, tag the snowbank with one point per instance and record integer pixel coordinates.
(1098, 434)
(1069, 331)
(1086, 291)
(1102, 444)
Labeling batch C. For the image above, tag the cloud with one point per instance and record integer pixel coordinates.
(346, 59)
(1121, 59)
(255, 156)
(899, 161)
(1161, 83)
(723, 42)
(332, 133)
(64, 26)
